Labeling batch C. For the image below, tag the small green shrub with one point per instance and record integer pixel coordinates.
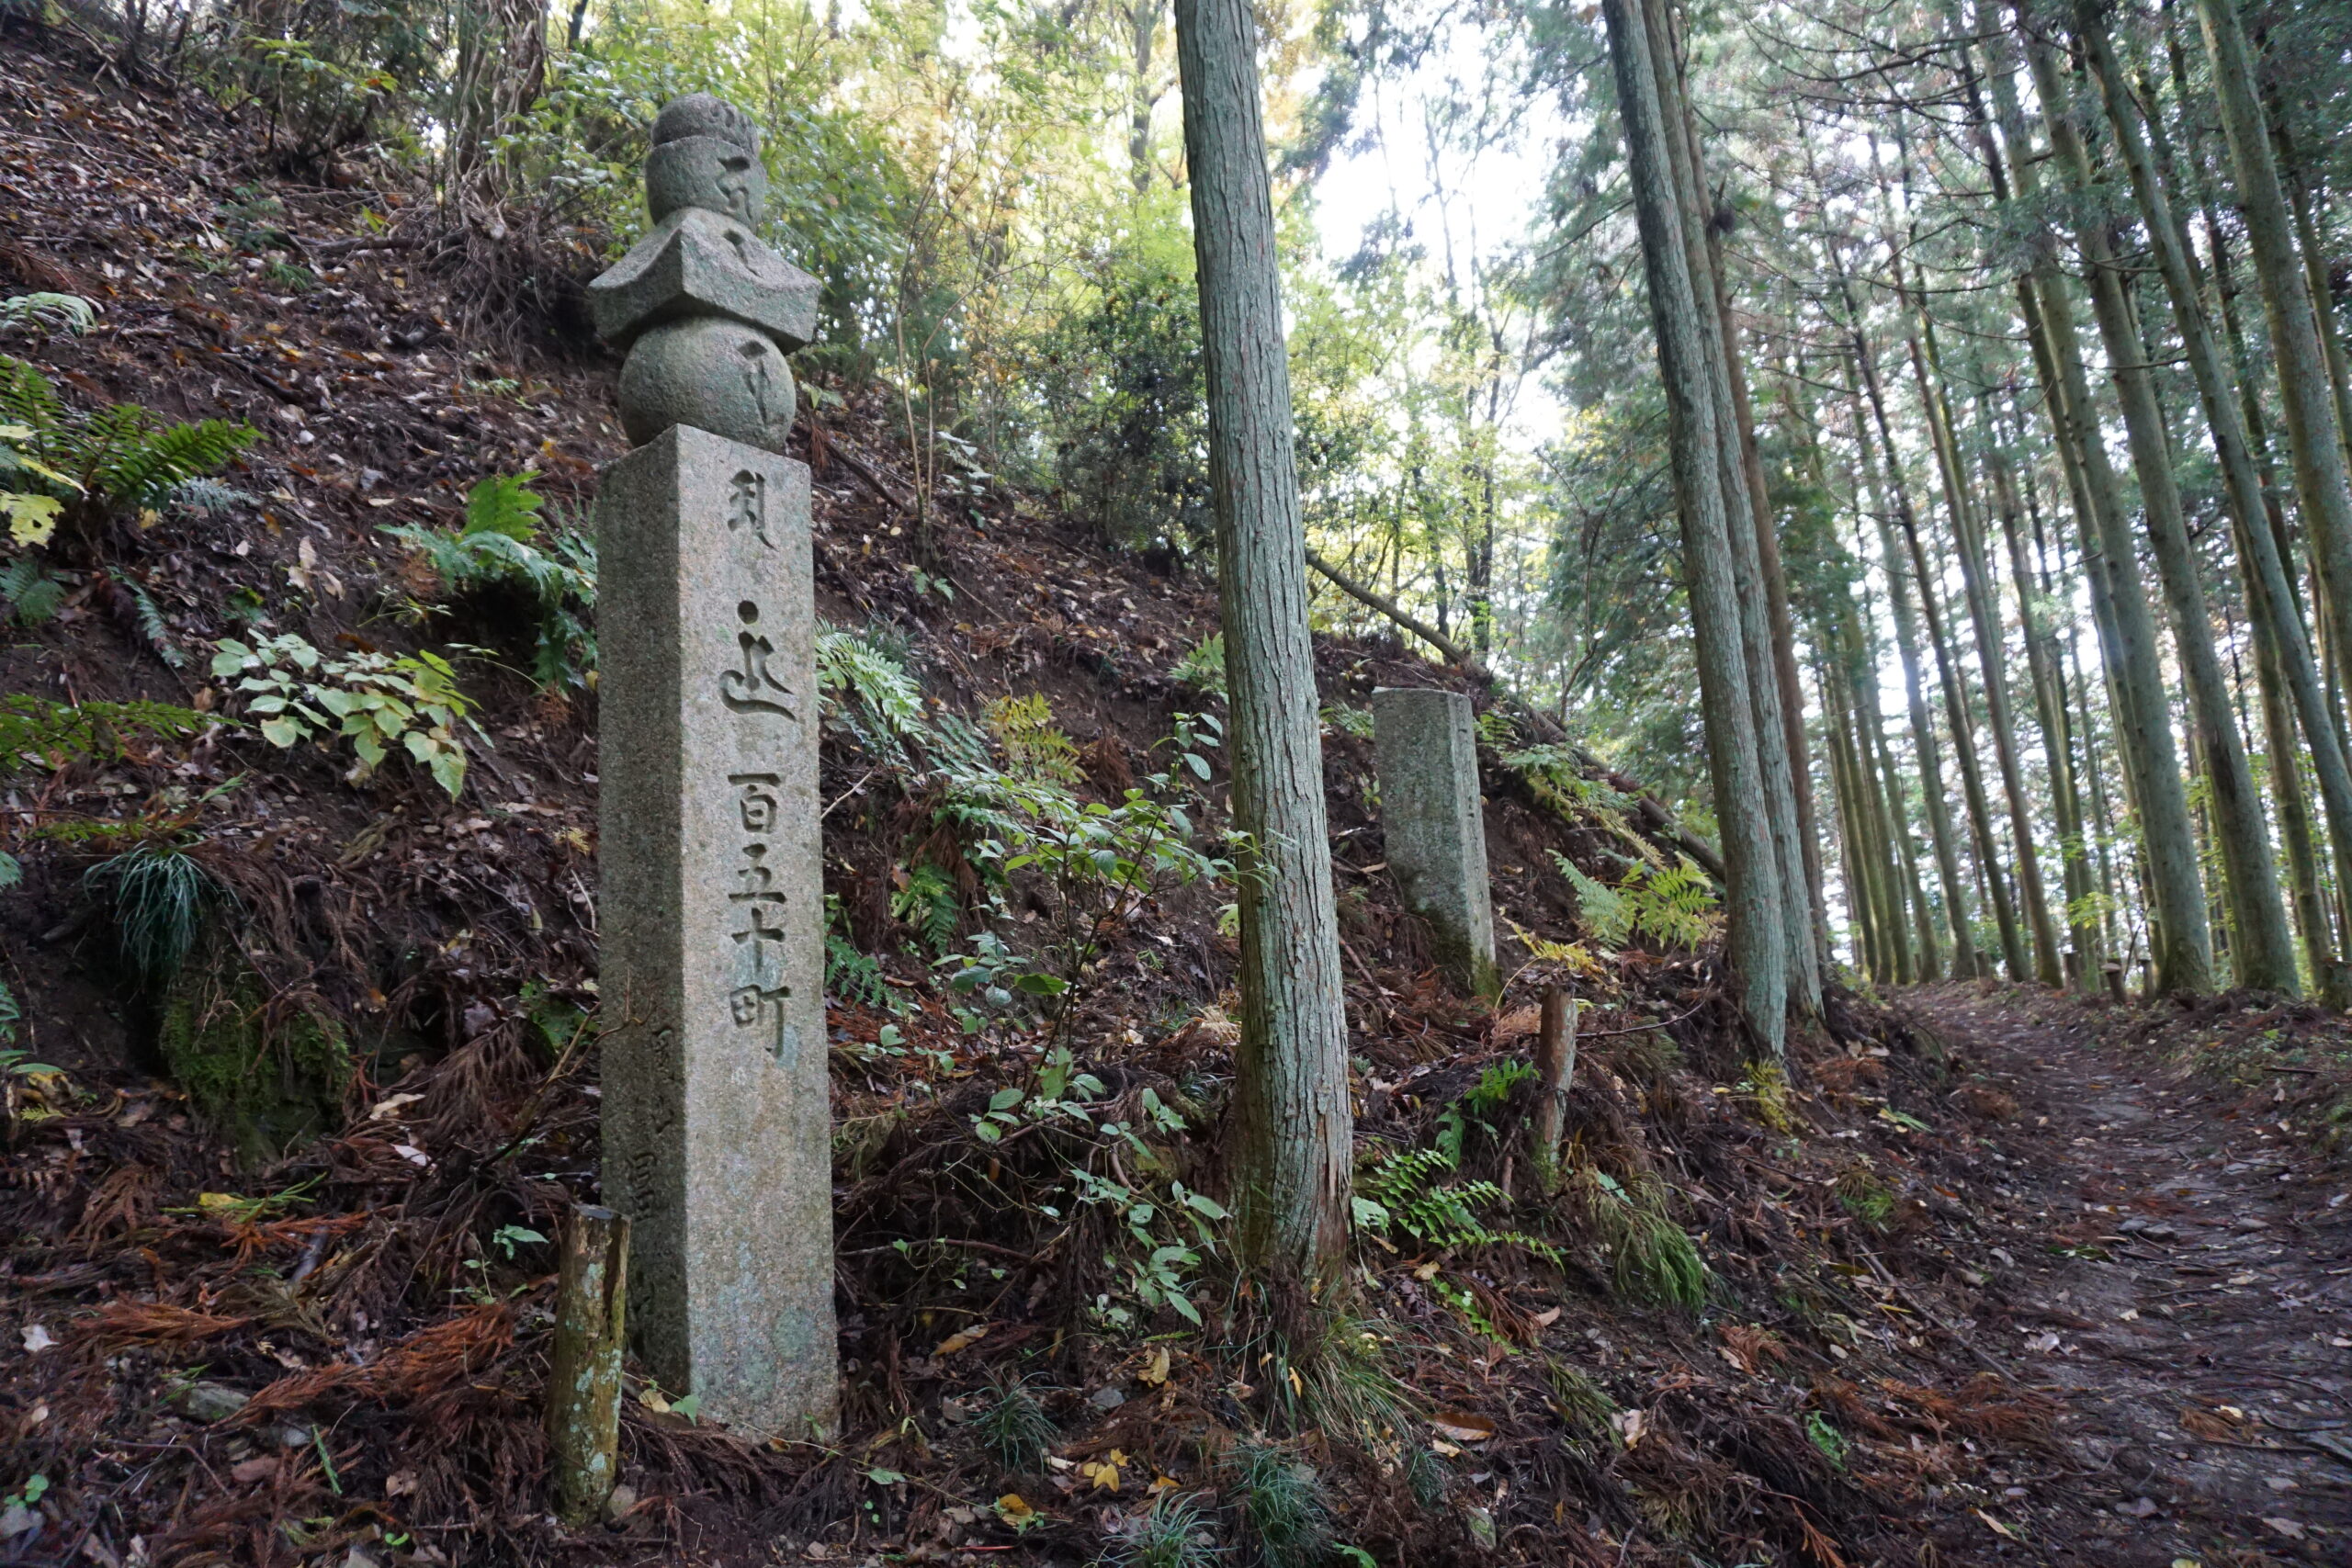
(382, 700)
(1862, 1194)
(1176, 1533)
(497, 558)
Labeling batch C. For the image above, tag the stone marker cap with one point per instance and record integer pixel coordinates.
(700, 114)
(709, 172)
(699, 262)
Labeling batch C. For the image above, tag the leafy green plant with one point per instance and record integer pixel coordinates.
(497, 558)
(410, 700)
(76, 472)
(1675, 904)
(160, 898)
(1011, 1423)
(926, 900)
(1203, 668)
(15, 1063)
(1826, 1438)
(849, 974)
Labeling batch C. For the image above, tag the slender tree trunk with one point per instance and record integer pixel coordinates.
(2261, 949)
(1740, 485)
(1923, 735)
(2049, 704)
(1145, 25)
(1969, 547)
(2281, 650)
(2181, 941)
(2306, 394)
(1756, 935)
(1295, 1149)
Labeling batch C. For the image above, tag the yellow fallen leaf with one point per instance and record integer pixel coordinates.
(1155, 1370)
(962, 1340)
(1014, 1510)
(1103, 1473)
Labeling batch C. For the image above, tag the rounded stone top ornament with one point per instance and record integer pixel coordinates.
(701, 114)
(719, 375)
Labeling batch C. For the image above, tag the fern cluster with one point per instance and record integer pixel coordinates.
(1409, 1188)
(34, 729)
(1034, 745)
(1673, 904)
(498, 551)
(90, 468)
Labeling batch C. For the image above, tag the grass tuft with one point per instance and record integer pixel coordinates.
(1176, 1533)
(1283, 1503)
(162, 898)
(1013, 1425)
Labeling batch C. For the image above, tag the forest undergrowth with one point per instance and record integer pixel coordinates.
(1737, 1322)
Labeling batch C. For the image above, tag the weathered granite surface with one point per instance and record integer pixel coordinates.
(717, 1123)
(719, 375)
(1425, 751)
(699, 262)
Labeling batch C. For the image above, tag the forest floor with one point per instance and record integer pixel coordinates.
(1909, 1343)
(2180, 1271)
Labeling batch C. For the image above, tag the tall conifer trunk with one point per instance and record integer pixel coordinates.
(2261, 949)
(1295, 1149)
(1756, 935)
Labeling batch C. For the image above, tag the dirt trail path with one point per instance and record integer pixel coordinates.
(2183, 1276)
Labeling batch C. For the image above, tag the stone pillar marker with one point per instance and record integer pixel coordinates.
(716, 1104)
(1425, 752)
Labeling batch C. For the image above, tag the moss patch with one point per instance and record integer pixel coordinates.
(264, 1083)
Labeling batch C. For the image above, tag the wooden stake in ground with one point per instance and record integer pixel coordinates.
(584, 1369)
(1556, 1066)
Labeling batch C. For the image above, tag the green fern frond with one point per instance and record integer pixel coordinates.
(26, 397)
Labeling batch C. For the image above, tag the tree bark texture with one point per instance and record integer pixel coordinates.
(1296, 1125)
(1756, 937)
(2261, 950)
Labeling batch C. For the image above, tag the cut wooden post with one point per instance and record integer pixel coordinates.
(584, 1369)
(1555, 1065)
